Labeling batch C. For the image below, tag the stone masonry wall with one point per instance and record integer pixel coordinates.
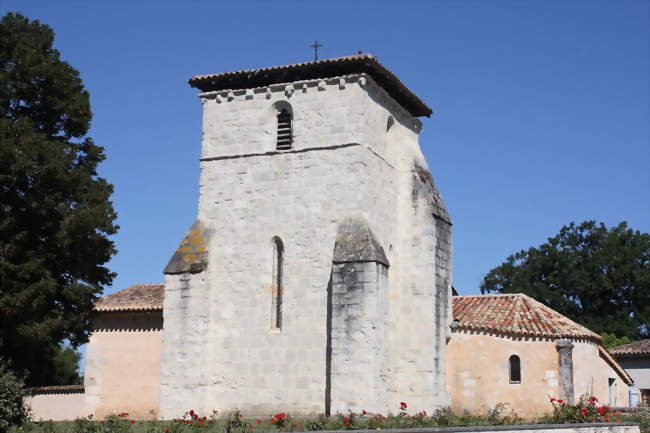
(220, 351)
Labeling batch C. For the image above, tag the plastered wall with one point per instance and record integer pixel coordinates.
(478, 373)
(220, 351)
(592, 374)
(123, 365)
(638, 368)
(57, 406)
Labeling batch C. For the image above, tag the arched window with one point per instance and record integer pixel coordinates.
(515, 369)
(276, 301)
(285, 133)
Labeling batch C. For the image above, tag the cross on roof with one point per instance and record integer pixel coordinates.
(316, 46)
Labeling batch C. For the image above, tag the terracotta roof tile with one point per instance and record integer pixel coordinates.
(136, 297)
(632, 349)
(327, 68)
(60, 389)
(515, 314)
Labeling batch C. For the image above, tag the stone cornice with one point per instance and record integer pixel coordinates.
(338, 83)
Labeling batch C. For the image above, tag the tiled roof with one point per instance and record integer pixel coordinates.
(632, 349)
(362, 63)
(136, 297)
(615, 365)
(61, 389)
(517, 315)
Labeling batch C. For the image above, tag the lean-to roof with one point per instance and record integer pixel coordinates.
(139, 297)
(637, 348)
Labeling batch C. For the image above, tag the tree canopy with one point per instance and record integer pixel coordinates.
(596, 276)
(55, 211)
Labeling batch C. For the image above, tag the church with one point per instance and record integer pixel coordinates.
(316, 277)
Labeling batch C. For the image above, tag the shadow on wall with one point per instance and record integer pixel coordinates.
(129, 321)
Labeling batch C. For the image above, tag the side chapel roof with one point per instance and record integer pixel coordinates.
(632, 349)
(517, 315)
(327, 68)
(139, 297)
(520, 315)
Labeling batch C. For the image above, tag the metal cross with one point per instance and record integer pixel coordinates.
(316, 46)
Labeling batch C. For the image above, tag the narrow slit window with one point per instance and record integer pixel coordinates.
(278, 265)
(285, 133)
(515, 369)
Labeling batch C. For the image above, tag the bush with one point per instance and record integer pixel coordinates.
(586, 410)
(12, 410)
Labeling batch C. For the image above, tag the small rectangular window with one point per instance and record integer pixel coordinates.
(276, 300)
(285, 134)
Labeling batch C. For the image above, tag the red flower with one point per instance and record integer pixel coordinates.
(602, 410)
(281, 415)
(552, 399)
(132, 421)
(363, 412)
(259, 421)
(403, 405)
(272, 420)
(167, 429)
(583, 411)
(560, 401)
(192, 412)
(607, 419)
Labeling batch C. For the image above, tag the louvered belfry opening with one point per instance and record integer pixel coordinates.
(285, 137)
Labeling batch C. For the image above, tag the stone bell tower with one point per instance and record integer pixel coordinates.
(316, 276)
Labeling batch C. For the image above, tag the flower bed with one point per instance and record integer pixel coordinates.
(565, 418)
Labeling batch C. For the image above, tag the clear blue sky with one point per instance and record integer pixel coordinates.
(540, 118)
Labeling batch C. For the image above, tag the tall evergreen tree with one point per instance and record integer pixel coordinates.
(55, 211)
(598, 277)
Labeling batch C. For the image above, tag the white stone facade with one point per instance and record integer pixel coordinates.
(355, 154)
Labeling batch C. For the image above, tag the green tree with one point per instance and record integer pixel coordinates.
(598, 277)
(12, 410)
(55, 211)
(611, 340)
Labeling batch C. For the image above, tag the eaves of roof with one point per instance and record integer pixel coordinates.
(361, 63)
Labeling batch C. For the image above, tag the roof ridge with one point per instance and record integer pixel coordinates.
(561, 317)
